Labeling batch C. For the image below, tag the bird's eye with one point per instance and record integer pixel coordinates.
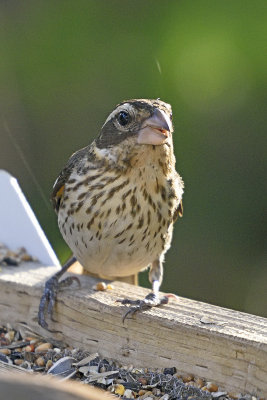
(124, 118)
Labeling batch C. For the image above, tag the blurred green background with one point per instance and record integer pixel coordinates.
(64, 65)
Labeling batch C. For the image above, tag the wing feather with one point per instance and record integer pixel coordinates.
(73, 163)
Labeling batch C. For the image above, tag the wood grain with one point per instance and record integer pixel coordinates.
(221, 345)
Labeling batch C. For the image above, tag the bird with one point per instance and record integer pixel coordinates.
(117, 200)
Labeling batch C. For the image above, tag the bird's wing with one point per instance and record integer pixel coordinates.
(178, 212)
(59, 186)
(180, 188)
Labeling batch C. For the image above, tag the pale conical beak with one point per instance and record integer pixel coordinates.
(156, 129)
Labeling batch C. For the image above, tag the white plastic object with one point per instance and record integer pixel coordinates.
(19, 226)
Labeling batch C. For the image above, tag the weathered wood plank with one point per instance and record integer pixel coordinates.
(8, 369)
(222, 345)
(27, 386)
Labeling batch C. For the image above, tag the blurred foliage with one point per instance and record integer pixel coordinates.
(65, 64)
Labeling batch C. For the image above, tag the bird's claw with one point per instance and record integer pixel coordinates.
(151, 300)
(47, 302)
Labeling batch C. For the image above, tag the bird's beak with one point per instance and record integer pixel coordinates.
(156, 129)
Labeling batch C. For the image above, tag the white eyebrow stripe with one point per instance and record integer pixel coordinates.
(122, 107)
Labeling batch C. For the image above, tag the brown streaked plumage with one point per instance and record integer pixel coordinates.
(117, 199)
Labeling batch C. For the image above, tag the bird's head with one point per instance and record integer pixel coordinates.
(146, 122)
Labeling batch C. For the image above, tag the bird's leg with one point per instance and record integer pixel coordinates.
(152, 299)
(52, 286)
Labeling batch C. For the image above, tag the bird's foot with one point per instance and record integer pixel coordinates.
(151, 300)
(47, 302)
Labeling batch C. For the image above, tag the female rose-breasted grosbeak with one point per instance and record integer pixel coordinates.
(118, 198)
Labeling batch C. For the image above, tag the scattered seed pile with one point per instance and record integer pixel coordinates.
(14, 258)
(32, 353)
